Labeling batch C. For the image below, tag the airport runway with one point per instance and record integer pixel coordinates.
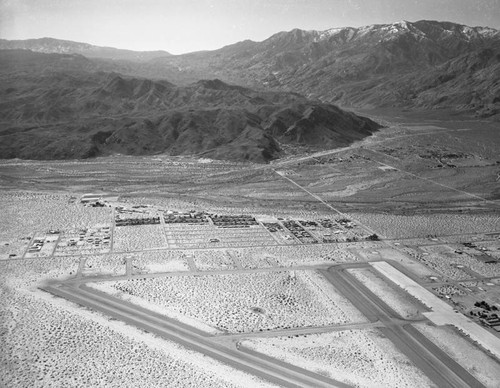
(272, 370)
(436, 364)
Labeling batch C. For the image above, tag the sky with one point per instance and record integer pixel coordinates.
(180, 26)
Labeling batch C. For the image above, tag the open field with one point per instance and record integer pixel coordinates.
(315, 254)
(30, 212)
(360, 358)
(103, 264)
(204, 236)
(451, 261)
(241, 303)
(446, 255)
(138, 237)
(440, 223)
(214, 259)
(159, 261)
(47, 342)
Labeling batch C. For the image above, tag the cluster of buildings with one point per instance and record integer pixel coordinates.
(37, 245)
(272, 226)
(299, 232)
(222, 221)
(128, 217)
(488, 317)
(88, 238)
(492, 321)
(172, 217)
(97, 200)
(226, 221)
(137, 221)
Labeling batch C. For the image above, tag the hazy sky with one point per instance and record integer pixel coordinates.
(180, 26)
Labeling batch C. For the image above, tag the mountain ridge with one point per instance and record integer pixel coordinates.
(53, 114)
(60, 46)
(245, 100)
(340, 65)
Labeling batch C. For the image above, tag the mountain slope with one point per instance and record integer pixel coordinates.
(367, 67)
(58, 46)
(412, 65)
(54, 114)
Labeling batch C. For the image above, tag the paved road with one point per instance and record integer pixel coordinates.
(81, 267)
(435, 363)
(269, 369)
(103, 278)
(300, 330)
(318, 198)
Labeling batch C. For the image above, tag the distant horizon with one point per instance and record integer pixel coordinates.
(160, 49)
(206, 25)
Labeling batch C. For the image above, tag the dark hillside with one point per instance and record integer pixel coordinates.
(49, 113)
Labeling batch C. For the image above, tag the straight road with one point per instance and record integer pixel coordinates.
(318, 198)
(382, 240)
(300, 331)
(196, 272)
(81, 267)
(494, 202)
(112, 239)
(370, 141)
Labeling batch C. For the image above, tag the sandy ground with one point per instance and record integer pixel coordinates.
(159, 261)
(401, 226)
(129, 238)
(475, 361)
(13, 247)
(312, 254)
(363, 358)
(229, 302)
(444, 259)
(49, 342)
(24, 213)
(213, 260)
(152, 304)
(104, 264)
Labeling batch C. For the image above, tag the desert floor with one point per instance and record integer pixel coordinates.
(218, 274)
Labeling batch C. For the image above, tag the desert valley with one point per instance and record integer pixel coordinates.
(320, 209)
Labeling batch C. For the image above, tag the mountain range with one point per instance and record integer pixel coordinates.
(64, 99)
(421, 65)
(50, 113)
(58, 46)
